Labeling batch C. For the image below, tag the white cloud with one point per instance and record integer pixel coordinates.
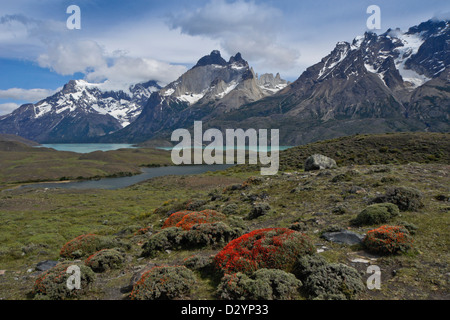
(65, 52)
(71, 57)
(127, 71)
(31, 95)
(241, 26)
(6, 108)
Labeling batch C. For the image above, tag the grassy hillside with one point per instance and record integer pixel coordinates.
(35, 224)
(20, 163)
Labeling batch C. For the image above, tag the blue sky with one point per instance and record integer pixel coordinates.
(125, 42)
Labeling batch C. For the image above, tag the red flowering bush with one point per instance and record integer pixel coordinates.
(163, 283)
(388, 240)
(174, 218)
(187, 219)
(81, 245)
(272, 248)
(52, 284)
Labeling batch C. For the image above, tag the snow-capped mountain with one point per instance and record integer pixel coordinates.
(395, 81)
(211, 88)
(78, 112)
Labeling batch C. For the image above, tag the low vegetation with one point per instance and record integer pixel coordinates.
(244, 236)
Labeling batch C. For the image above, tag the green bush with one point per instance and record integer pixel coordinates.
(376, 214)
(85, 245)
(258, 210)
(230, 209)
(325, 281)
(162, 283)
(209, 234)
(406, 199)
(52, 284)
(307, 265)
(264, 284)
(168, 238)
(334, 281)
(199, 235)
(105, 260)
(199, 262)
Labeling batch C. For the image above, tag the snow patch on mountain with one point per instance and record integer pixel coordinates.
(82, 96)
(410, 45)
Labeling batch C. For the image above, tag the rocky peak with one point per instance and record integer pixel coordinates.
(212, 59)
(237, 61)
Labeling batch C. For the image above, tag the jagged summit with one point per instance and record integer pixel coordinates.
(212, 59)
(212, 87)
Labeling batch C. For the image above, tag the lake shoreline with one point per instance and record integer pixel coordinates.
(110, 182)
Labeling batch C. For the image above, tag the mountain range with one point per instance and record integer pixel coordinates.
(391, 82)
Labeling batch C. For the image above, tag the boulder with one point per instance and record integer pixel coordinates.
(46, 265)
(319, 162)
(343, 237)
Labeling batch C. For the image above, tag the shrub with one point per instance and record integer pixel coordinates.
(85, 245)
(198, 262)
(411, 227)
(406, 199)
(376, 214)
(105, 259)
(388, 240)
(174, 218)
(307, 265)
(195, 204)
(200, 235)
(333, 281)
(165, 239)
(264, 284)
(163, 283)
(210, 234)
(230, 209)
(52, 284)
(81, 246)
(252, 181)
(201, 217)
(143, 231)
(272, 248)
(258, 210)
(187, 219)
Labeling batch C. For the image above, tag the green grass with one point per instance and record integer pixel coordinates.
(25, 164)
(35, 223)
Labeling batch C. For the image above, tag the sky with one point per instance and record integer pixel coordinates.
(126, 42)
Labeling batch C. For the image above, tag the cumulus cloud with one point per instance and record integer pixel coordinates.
(52, 46)
(241, 26)
(128, 70)
(6, 108)
(69, 58)
(26, 94)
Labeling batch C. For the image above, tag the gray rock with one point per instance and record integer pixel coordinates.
(343, 237)
(46, 265)
(319, 162)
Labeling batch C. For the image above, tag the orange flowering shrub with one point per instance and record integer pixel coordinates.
(272, 248)
(81, 245)
(388, 240)
(174, 218)
(164, 282)
(187, 219)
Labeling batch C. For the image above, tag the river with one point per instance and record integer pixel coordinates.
(123, 182)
